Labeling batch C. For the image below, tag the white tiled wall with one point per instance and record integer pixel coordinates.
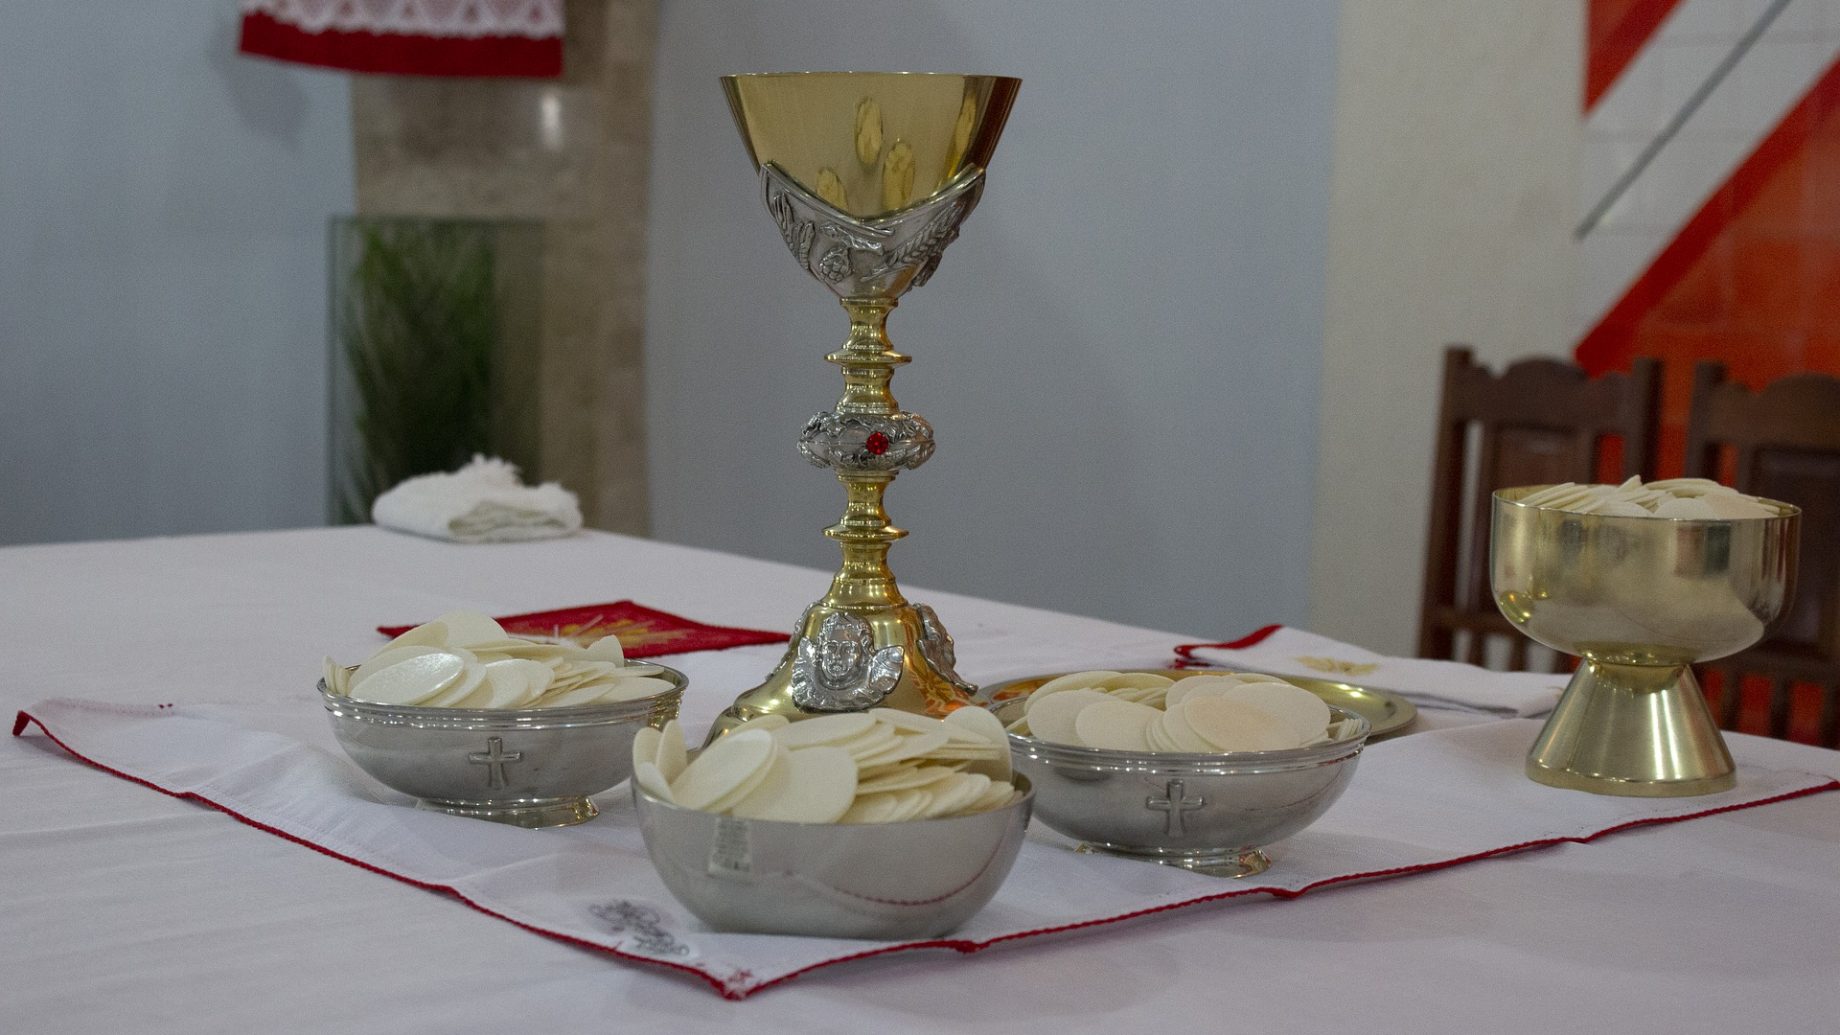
(1799, 43)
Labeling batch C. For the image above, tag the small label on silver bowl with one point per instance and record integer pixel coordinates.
(729, 854)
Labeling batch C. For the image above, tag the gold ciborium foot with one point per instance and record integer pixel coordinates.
(1638, 730)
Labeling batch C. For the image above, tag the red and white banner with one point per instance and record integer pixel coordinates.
(410, 37)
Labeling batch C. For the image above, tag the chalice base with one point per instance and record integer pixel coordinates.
(928, 683)
(1636, 730)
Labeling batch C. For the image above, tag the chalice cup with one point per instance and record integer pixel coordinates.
(1639, 600)
(867, 176)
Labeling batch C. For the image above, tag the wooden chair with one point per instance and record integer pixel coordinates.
(1541, 421)
(1784, 443)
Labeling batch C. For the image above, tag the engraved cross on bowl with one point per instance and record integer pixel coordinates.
(495, 758)
(1174, 805)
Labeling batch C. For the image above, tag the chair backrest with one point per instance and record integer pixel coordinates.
(1538, 422)
(1782, 442)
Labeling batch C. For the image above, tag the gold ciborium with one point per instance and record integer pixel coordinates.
(1639, 600)
(868, 176)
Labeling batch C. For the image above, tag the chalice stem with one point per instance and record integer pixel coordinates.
(864, 644)
(864, 533)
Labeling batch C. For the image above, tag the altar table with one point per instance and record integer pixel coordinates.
(129, 911)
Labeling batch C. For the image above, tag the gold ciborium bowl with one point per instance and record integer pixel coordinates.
(1639, 600)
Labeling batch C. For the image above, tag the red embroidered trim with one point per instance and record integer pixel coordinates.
(960, 945)
(402, 54)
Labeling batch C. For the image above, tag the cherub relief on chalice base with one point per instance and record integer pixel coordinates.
(937, 648)
(839, 670)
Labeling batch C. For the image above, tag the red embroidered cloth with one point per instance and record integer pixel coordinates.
(644, 632)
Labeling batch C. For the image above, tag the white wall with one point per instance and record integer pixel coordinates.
(163, 205)
(1457, 143)
(1120, 355)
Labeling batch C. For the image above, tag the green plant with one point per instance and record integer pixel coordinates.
(417, 325)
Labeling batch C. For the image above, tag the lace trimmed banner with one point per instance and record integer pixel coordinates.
(409, 37)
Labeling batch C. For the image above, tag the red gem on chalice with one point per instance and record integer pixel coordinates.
(876, 443)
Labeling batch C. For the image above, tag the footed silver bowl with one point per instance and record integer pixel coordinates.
(529, 767)
(1210, 813)
(887, 881)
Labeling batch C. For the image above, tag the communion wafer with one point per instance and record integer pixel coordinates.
(872, 742)
(816, 785)
(645, 745)
(1053, 718)
(906, 747)
(673, 754)
(827, 729)
(872, 808)
(903, 778)
(976, 724)
(648, 776)
(1115, 724)
(410, 680)
(389, 656)
(1182, 689)
(1176, 731)
(977, 732)
(773, 769)
(1207, 713)
(1229, 725)
(854, 767)
(724, 767)
(472, 678)
(949, 797)
(1128, 681)
(1303, 713)
(1070, 681)
(510, 683)
(468, 661)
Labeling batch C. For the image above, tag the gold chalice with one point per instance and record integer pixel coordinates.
(868, 176)
(1639, 600)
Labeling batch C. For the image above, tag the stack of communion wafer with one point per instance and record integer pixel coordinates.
(1143, 711)
(1699, 499)
(878, 766)
(464, 659)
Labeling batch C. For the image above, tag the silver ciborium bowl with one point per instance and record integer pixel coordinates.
(1639, 600)
(1210, 813)
(888, 881)
(529, 767)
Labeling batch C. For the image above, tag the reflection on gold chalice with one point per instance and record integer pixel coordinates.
(1639, 600)
(867, 176)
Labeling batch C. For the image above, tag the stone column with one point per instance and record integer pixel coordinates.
(572, 153)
